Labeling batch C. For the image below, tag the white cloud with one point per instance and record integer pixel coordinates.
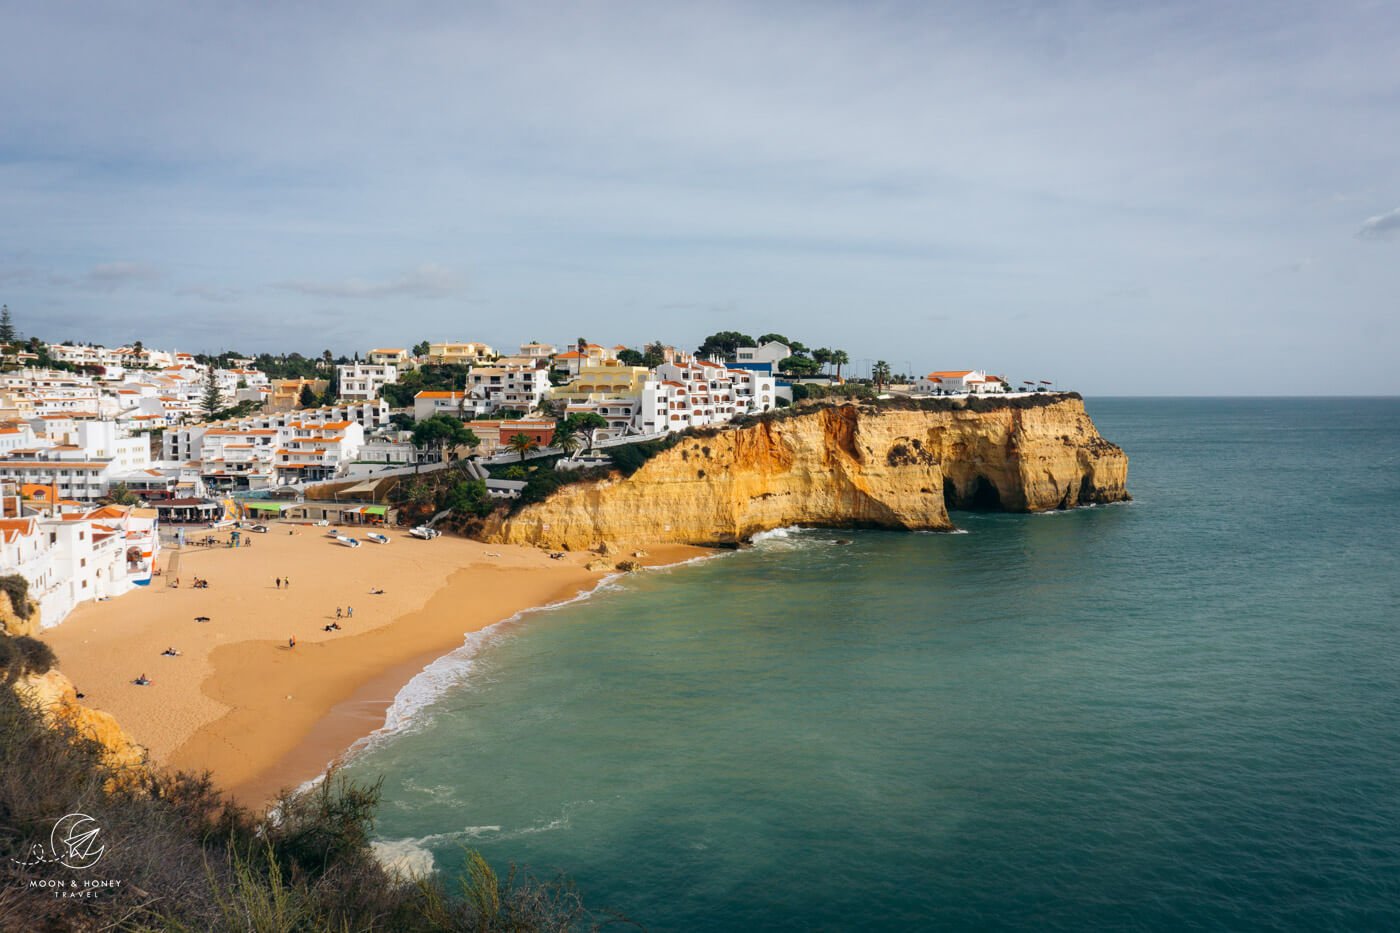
(426, 281)
(110, 276)
(1381, 227)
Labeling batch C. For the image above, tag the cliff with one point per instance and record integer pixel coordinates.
(888, 465)
(54, 695)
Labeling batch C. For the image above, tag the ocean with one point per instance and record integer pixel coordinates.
(1177, 713)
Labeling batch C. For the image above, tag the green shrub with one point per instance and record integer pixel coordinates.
(24, 655)
(17, 588)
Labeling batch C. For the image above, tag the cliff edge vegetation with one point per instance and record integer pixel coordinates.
(900, 464)
(168, 851)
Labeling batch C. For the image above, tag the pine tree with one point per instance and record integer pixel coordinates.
(7, 326)
(211, 401)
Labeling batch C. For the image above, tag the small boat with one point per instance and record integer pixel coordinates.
(424, 532)
(333, 533)
(260, 529)
(348, 542)
(378, 538)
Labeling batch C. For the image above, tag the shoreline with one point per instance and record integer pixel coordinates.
(263, 717)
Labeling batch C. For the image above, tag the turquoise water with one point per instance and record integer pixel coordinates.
(1182, 713)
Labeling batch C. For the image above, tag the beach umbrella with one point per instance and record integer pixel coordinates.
(1046, 382)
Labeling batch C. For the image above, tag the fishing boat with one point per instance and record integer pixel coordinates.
(424, 532)
(378, 538)
(347, 541)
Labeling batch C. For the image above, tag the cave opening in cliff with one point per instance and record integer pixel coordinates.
(984, 497)
(950, 494)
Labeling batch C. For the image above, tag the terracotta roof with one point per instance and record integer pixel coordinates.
(951, 374)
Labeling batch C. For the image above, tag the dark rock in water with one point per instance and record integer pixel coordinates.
(844, 541)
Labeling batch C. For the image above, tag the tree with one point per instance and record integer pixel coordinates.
(821, 356)
(440, 432)
(211, 402)
(566, 438)
(523, 444)
(7, 326)
(880, 374)
(421, 349)
(587, 423)
(402, 421)
(120, 494)
(770, 338)
(327, 357)
(630, 357)
(469, 497)
(724, 344)
(654, 354)
(840, 358)
(307, 398)
(799, 366)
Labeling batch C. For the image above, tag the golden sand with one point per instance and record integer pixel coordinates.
(260, 715)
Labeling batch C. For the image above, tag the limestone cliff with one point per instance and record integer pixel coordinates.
(889, 465)
(54, 695)
(11, 623)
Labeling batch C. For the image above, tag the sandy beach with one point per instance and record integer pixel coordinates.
(260, 715)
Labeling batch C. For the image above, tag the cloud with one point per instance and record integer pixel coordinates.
(110, 276)
(1381, 227)
(220, 294)
(426, 281)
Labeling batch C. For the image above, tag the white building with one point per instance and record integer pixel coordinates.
(517, 388)
(69, 559)
(362, 381)
(764, 357)
(960, 382)
(426, 404)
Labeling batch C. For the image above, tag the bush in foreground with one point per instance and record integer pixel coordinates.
(188, 859)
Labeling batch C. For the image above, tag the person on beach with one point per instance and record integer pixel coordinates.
(337, 612)
(279, 583)
(349, 612)
(292, 642)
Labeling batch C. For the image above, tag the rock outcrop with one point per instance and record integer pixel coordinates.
(54, 695)
(11, 622)
(889, 465)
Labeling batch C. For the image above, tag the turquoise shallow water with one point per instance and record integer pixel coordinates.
(1182, 713)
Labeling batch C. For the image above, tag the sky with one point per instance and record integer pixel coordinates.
(1126, 198)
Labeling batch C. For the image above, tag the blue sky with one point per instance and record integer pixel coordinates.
(1128, 198)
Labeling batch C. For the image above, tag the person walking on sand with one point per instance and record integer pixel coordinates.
(279, 583)
(349, 612)
(292, 642)
(337, 612)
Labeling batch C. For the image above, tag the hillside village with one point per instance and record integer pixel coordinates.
(105, 450)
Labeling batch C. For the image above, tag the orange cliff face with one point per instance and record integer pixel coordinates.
(54, 696)
(892, 465)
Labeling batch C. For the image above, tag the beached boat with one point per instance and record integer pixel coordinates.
(333, 533)
(424, 532)
(348, 542)
(378, 538)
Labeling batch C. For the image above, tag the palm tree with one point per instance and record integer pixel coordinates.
(120, 494)
(522, 444)
(566, 438)
(840, 358)
(881, 374)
